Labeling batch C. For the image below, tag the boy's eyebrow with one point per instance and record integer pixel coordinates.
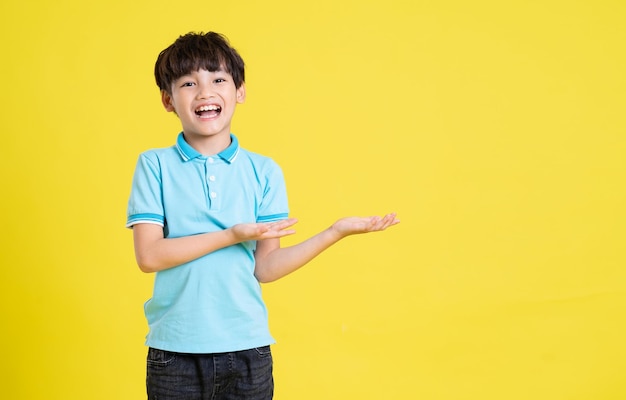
(189, 74)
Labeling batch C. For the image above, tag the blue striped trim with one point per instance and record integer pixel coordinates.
(272, 218)
(145, 218)
(186, 151)
(229, 153)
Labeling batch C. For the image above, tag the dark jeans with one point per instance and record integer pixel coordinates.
(238, 375)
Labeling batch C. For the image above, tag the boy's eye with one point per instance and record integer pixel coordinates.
(185, 84)
(220, 80)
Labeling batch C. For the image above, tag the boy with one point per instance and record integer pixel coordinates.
(207, 217)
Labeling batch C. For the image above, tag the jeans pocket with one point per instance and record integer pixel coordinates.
(160, 358)
(263, 352)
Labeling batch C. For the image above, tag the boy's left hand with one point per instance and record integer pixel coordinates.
(355, 225)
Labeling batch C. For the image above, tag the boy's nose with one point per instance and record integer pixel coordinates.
(204, 91)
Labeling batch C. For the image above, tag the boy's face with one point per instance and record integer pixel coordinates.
(205, 103)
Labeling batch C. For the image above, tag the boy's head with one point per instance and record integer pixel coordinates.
(194, 51)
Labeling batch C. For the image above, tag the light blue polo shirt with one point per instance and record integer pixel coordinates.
(212, 304)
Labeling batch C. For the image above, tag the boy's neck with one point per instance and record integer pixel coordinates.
(208, 145)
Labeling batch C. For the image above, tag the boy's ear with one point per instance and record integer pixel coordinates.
(241, 93)
(166, 99)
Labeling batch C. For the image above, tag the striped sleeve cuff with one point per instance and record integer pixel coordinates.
(144, 219)
(272, 218)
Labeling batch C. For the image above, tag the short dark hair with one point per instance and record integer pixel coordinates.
(194, 51)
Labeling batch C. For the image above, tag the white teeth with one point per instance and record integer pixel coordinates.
(208, 108)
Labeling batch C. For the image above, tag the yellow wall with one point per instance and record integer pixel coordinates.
(495, 129)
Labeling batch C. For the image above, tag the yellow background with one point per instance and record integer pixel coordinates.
(495, 129)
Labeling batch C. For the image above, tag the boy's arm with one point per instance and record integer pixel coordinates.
(274, 262)
(156, 253)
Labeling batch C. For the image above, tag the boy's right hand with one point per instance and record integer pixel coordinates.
(262, 231)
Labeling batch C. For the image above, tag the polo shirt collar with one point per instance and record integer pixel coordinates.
(189, 153)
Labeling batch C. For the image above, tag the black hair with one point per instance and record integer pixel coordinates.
(194, 51)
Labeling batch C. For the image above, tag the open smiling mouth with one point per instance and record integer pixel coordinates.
(208, 111)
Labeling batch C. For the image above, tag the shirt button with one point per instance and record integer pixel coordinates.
(211, 160)
(212, 178)
(213, 195)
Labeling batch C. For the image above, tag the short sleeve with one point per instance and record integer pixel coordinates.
(274, 205)
(145, 204)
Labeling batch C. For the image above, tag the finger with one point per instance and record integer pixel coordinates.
(386, 221)
(277, 225)
(382, 224)
(275, 234)
(373, 224)
(392, 221)
(289, 222)
(285, 223)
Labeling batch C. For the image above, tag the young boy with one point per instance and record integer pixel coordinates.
(207, 217)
